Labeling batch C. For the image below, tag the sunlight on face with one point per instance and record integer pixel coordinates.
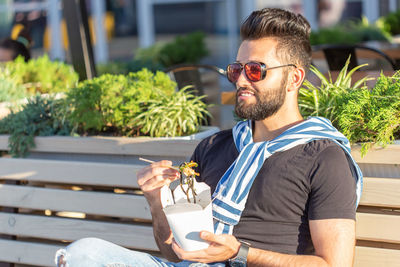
(262, 99)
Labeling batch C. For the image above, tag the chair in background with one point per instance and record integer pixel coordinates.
(336, 55)
(205, 81)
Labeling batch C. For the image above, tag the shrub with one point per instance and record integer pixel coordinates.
(351, 32)
(185, 49)
(121, 67)
(188, 48)
(39, 117)
(42, 75)
(10, 90)
(109, 102)
(178, 114)
(372, 116)
(323, 100)
(391, 22)
(363, 115)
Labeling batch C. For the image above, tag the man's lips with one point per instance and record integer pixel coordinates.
(243, 94)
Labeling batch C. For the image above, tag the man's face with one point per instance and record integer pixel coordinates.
(260, 100)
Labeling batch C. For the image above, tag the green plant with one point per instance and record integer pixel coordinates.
(364, 31)
(178, 114)
(183, 49)
(39, 117)
(391, 22)
(363, 115)
(372, 116)
(322, 100)
(10, 90)
(332, 35)
(42, 75)
(109, 102)
(351, 32)
(120, 67)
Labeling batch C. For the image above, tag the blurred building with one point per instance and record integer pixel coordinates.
(133, 23)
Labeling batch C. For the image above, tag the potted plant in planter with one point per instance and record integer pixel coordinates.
(368, 117)
(107, 111)
(351, 32)
(20, 80)
(184, 49)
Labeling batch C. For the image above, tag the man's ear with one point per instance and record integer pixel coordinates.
(296, 78)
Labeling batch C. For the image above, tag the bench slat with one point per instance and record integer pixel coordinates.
(378, 227)
(27, 252)
(128, 235)
(111, 145)
(96, 203)
(377, 155)
(381, 192)
(373, 257)
(70, 172)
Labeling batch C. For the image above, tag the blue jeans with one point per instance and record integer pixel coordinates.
(94, 252)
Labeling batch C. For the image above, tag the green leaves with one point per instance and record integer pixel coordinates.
(42, 75)
(141, 103)
(323, 100)
(175, 115)
(109, 103)
(372, 116)
(188, 48)
(363, 115)
(10, 89)
(39, 117)
(351, 32)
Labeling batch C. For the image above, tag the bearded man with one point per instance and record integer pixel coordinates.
(285, 189)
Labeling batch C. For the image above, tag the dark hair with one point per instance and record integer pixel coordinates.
(292, 31)
(20, 46)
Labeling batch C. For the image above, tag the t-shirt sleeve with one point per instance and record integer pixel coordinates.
(333, 187)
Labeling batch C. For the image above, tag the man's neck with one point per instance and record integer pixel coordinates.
(273, 126)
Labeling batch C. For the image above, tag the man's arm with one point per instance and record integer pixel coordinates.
(333, 239)
(150, 180)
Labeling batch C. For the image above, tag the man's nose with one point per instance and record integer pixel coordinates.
(242, 80)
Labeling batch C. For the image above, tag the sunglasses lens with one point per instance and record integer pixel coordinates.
(233, 72)
(253, 71)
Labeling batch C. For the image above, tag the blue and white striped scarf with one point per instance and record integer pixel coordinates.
(230, 196)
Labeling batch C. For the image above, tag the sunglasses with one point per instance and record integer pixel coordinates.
(254, 71)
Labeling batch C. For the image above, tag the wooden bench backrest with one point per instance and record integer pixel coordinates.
(378, 223)
(114, 209)
(106, 195)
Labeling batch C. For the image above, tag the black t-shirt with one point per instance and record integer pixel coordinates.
(307, 182)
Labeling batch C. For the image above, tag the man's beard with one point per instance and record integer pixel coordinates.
(268, 102)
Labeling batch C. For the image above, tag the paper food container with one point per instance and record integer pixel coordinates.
(185, 219)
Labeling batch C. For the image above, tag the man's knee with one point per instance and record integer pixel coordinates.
(83, 247)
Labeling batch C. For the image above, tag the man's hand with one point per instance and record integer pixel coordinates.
(151, 178)
(222, 248)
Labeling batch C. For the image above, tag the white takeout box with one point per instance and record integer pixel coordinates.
(186, 220)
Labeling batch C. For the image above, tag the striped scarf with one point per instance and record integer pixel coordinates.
(231, 194)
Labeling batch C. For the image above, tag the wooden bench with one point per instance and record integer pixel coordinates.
(61, 201)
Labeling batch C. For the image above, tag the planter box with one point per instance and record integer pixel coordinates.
(379, 162)
(114, 149)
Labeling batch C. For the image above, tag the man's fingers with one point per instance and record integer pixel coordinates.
(157, 174)
(157, 182)
(210, 237)
(197, 255)
(156, 169)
